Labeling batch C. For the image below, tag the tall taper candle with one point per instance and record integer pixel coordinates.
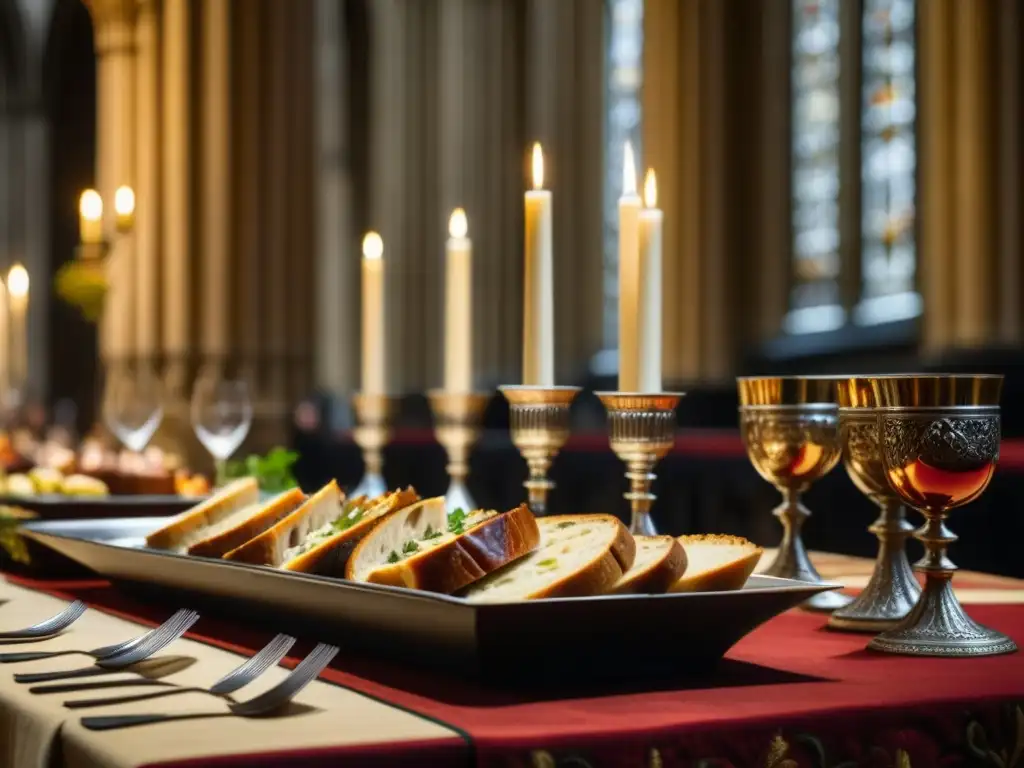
(458, 306)
(538, 284)
(649, 294)
(374, 357)
(17, 291)
(629, 289)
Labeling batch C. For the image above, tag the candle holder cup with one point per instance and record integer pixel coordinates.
(892, 590)
(940, 438)
(539, 421)
(372, 432)
(457, 417)
(790, 426)
(641, 429)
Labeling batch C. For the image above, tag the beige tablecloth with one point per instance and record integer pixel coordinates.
(36, 731)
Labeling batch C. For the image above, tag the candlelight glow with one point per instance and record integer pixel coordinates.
(458, 226)
(124, 201)
(90, 205)
(17, 281)
(628, 171)
(373, 246)
(538, 167)
(650, 189)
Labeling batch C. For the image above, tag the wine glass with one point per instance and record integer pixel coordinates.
(133, 408)
(221, 417)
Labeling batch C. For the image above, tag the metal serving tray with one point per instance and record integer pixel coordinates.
(602, 637)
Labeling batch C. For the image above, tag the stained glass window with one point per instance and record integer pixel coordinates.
(815, 301)
(888, 162)
(623, 78)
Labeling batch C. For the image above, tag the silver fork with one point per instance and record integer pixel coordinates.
(233, 681)
(98, 653)
(156, 641)
(50, 626)
(270, 701)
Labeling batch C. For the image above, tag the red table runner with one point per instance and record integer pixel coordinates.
(790, 694)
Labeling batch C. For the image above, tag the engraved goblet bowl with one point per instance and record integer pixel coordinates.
(892, 590)
(940, 438)
(790, 427)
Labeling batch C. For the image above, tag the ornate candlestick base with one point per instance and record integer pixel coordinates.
(373, 429)
(893, 590)
(642, 429)
(457, 425)
(539, 418)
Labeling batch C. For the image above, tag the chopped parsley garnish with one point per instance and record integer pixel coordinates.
(551, 562)
(409, 547)
(567, 524)
(430, 533)
(457, 521)
(394, 557)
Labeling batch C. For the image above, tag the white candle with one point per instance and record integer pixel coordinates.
(124, 208)
(538, 283)
(458, 306)
(90, 217)
(629, 245)
(649, 294)
(373, 315)
(17, 290)
(5, 345)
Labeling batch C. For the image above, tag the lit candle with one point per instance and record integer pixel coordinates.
(538, 283)
(629, 244)
(5, 344)
(124, 207)
(458, 307)
(649, 293)
(373, 315)
(90, 217)
(17, 290)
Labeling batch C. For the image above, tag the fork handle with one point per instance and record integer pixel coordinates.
(167, 691)
(110, 722)
(11, 658)
(46, 677)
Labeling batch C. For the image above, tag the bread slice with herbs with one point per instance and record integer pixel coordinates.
(660, 562)
(425, 548)
(578, 556)
(320, 535)
(716, 563)
(263, 517)
(222, 511)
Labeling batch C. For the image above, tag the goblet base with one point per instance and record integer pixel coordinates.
(939, 626)
(371, 485)
(457, 497)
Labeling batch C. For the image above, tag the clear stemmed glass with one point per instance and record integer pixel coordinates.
(221, 417)
(133, 408)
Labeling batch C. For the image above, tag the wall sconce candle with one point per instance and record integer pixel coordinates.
(124, 208)
(90, 217)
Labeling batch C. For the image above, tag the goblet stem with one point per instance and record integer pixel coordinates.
(221, 472)
(537, 484)
(639, 472)
(791, 561)
(938, 625)
(893, 590)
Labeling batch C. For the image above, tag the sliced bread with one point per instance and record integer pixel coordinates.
(222, 511)
(320, 535)
(579, 555)
(262, 517)
(660, 562)
(716, 563)
(423, 549)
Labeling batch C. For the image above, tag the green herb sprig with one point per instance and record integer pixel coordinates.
(457, 521)
(273, 472)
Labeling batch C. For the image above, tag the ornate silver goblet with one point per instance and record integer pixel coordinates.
(892, 590)
(940, 439)
(790, 426)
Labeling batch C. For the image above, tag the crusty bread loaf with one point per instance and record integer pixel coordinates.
(579, 555)
(222, 510)
(716, 563)
(660, 562)
(263, 517)
(319, 536)
(436, 554)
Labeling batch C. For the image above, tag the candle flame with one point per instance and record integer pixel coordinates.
(458, 226)
(90, 205)
(538, 167)
(373, 246)
(650, 189)
(628, 170)
(124, 201)
(17, 281)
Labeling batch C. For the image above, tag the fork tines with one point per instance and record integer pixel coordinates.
(50, 626)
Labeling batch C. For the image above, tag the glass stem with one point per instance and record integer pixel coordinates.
(221, 476)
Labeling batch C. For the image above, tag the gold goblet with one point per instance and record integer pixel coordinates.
(539, 421)
(940, 444)
(457, 417)
(892, 590)
(790, 426)
(373, 429)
